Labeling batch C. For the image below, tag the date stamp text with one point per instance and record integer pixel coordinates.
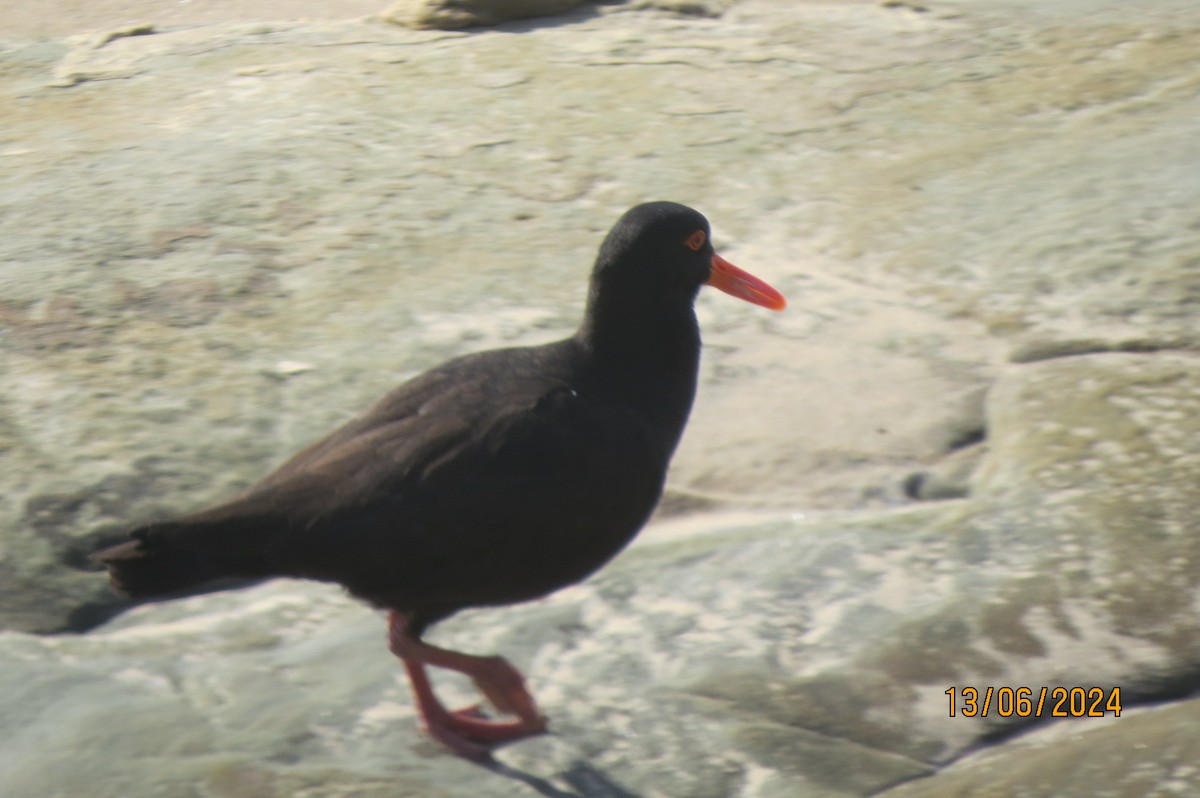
(1035, 702)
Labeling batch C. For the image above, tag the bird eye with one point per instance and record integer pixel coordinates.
(696, 240)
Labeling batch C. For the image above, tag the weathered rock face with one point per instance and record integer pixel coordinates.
(778, 657)
(217, 242)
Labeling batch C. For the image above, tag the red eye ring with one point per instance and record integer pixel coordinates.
(696, 240)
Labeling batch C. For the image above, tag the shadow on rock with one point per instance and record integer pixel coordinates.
(584, 780)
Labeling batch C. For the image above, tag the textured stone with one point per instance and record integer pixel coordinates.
(216, 242)
(1145, 752)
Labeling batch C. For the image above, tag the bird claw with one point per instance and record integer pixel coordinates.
(504, 686)
(468, 732)
(475, 711)
(457, 742)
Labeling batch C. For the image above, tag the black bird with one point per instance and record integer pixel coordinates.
(494, 478)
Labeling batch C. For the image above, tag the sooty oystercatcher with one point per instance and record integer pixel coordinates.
(494, 478)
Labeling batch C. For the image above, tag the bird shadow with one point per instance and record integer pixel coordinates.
(585, 782)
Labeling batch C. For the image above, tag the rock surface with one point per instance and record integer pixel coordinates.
(219, 240)
(458, 14)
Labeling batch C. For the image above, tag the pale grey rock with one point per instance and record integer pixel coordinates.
(965, 197)
(1083, 759)
(779, 656)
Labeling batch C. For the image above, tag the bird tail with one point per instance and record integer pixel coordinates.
(151, 565)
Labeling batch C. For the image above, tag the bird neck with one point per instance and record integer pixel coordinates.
(647, 357)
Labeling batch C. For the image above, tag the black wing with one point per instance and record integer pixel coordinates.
(472, 484)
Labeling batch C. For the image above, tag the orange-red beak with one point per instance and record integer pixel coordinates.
(743, 285)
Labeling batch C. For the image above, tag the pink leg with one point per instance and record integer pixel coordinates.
(496, 678)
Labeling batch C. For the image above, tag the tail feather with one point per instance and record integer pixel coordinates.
(148, 566)
(222, 547)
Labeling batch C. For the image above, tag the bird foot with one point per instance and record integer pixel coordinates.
(504, 686)
(467, 731)
(474, 725)
(444, 734)
(473, 711)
